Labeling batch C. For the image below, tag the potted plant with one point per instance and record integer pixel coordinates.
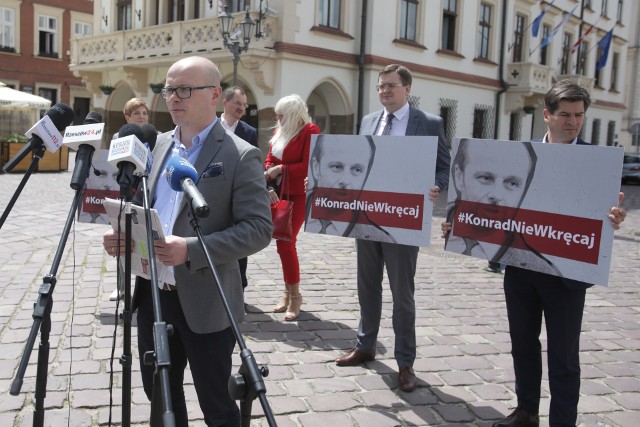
(107, 89)
(156, 87)
(51, 162)
(16, 138)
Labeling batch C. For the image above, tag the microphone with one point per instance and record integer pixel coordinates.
(128, 154)
(150, 135)
(46, 131)
(93, 117)
(85, 139)
(149, 139)
(181, 176)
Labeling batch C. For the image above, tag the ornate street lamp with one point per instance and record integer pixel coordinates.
(231, 41)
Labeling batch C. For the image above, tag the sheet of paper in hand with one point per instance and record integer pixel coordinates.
(372, 187)
(140, 257)
(542, 207)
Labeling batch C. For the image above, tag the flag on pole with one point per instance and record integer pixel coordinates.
(535, 26)
(553, 32)
(604, 44)
(578, 42)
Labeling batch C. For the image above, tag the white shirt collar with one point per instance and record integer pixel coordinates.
(231, 128)
(546, 141)
(399, 113)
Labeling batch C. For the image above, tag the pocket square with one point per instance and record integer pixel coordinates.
(213, 170)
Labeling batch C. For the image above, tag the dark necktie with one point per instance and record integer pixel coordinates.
(387, 127)
(324, 224)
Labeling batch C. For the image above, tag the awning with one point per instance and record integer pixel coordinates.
(11, 99)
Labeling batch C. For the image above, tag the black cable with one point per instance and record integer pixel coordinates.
(116, 314)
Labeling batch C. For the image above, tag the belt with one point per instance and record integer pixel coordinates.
(168, 287)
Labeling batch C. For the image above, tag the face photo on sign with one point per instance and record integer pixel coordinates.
(342, 166)
(532, 205)
(100, 183)
(358, 187)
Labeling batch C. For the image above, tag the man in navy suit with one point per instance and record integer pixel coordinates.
(530, 294)
(397, 118)
(234, 103)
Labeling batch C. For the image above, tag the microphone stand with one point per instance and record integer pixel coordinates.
(161, 331)
(126, 193)
(38, 152)
(42, 320)
(247, 383)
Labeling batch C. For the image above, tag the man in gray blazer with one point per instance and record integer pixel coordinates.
(232, 182)
(397, 118)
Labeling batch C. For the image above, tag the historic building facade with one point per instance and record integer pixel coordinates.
(34, 51)
(475, 63)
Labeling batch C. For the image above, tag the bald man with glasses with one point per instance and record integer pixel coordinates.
(231, 180)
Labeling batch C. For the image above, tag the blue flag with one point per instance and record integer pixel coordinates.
(535, 25)
(553, 32)
(604, 44)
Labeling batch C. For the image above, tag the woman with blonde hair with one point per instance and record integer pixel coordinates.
(136, 111)
(286, 168)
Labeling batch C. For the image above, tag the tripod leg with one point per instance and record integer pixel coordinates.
(245, 412)
(43, 361)
(156, 402)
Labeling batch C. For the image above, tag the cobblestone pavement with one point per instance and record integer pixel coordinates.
(463, 365)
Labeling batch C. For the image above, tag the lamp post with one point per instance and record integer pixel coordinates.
(231, 41)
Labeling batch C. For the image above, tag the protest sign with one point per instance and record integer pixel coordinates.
(538, 206)
(372, 187)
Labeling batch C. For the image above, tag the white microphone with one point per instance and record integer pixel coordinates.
(128, 149)
(87, 134)
(85, 139)
(45, 132)
(128, 154)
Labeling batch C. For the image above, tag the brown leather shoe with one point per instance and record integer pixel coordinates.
(355, 357)
(520, 417)
(407, 379)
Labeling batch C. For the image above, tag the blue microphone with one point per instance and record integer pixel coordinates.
(181, 176)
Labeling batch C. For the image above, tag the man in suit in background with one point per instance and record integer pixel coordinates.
(234, 103)
(231, 180)
(530, 294)
(397, 118)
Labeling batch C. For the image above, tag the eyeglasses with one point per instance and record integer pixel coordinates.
(181, 92)
(387, 86)
(240, 104)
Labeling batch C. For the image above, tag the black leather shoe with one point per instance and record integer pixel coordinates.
(355, 357)
(520, 417)
(407, 379)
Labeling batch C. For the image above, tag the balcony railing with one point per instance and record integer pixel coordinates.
(579, 79)
(528, 82)
(528, 77)
(175, 38)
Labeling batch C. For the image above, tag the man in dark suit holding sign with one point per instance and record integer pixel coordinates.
(531, 294)
(397, 118)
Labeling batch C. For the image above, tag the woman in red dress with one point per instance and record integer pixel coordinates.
(286, 166)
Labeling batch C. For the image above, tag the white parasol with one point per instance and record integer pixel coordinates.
(11, 99)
